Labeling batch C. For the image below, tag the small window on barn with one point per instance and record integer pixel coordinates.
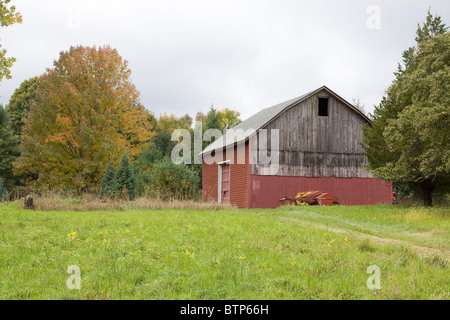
(323, 107)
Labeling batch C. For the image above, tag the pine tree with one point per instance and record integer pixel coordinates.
(9, 148)
(125, 179)
(19, 104)
(108, 186)
(4, 195)
(408, 140)
(433, 26)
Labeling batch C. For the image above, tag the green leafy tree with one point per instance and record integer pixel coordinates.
(218, 119)
(213, 120)
(125, 180)
(108, 185)
(409, 139)
(9, 149)
(143, 165)
(221, 120)
(19, 104)
(161, 143)
(162, 140)
(8, 16)
(160, 146)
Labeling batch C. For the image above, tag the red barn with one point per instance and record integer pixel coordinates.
(312, 142)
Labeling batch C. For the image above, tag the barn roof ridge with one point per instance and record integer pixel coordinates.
(264, 116)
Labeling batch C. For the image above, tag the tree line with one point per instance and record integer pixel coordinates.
(67, 128)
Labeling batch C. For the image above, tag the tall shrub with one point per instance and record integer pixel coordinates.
(171, 181)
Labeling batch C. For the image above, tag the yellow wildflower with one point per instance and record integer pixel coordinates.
(71, 235)
(346, 240)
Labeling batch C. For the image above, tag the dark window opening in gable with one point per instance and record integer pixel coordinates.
(323, 107)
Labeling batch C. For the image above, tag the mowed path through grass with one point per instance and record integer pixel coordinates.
(287, 253)
(422, 229)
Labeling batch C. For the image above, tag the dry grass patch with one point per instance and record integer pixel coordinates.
(92, 203)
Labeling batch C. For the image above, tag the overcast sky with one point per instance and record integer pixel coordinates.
(245, 55)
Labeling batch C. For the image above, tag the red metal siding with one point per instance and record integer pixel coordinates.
(265, 191)
(256, 191)
(239, 173)
(210, 174)
(239, 178)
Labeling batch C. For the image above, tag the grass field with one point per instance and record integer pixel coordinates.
(287, 253)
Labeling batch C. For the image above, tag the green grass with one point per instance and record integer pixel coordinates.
(287, 253)
(417, 225)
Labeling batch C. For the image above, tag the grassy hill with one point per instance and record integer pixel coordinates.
(287, 253)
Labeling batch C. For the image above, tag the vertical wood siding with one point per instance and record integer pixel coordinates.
(318, 146)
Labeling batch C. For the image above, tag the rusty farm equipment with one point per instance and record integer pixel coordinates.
(311, 198)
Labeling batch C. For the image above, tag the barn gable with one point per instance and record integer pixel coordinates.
(267, 115)
(319, 136)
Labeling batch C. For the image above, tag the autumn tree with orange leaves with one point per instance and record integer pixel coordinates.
(86, 114)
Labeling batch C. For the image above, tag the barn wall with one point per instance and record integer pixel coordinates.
(239, 174)
(266, 191)
(209, 181)
(316, 146)
(239, 177)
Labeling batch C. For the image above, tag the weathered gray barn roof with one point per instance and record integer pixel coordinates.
(264, 116)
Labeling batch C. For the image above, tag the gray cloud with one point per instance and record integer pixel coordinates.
(245, 55)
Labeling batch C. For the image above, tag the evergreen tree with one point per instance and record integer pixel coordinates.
(125, 179)
(9, 149)
(375, 145)
(408, 140)
(4, 195)
(433, 26)
(108, 185)
(19, 104)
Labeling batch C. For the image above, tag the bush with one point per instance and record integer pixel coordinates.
(4, 194)
(142, 167)
(170, 181)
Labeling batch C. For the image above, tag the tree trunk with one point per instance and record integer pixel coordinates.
(427, 190)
